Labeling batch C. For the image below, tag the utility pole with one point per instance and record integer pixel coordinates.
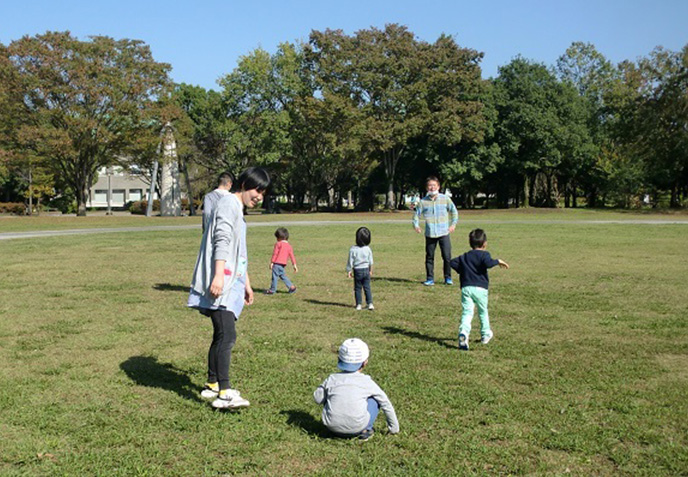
(108, 171)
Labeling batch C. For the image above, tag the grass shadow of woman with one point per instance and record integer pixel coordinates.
(171, 287)
(148, 371)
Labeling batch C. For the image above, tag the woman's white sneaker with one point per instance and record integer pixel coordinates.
(229, 399)
(210, 391)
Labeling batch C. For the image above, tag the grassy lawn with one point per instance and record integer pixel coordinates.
(101, 364)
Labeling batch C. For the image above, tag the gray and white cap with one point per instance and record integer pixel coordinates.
(352, 354)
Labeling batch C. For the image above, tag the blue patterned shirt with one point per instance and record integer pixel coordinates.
(437, 215)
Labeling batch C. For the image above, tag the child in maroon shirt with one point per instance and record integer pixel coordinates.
(280, 254)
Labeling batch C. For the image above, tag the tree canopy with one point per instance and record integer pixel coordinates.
(82, 103)
(360, 117)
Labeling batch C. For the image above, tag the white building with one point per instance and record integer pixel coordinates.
(125, 188)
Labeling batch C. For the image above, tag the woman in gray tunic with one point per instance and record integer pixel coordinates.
(220, 286)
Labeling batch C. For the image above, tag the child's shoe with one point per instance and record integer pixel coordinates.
(210, 391)
(269, 292)
(358, 307)
(229, 399)
(429, 283)
(370, 306)
(463, 342)
(365, 435)
(448, 281)
(487, 337)
(292, 289)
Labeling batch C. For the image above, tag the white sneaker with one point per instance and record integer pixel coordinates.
(463, 342)
(486, 338)
(230, 399)
(358, 307)
(370, 306)
(209, 393)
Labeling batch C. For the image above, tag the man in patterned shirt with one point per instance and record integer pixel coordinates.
(440, 216)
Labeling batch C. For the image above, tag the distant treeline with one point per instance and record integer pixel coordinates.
(362, 116)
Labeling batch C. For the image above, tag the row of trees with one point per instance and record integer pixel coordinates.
(363, 114)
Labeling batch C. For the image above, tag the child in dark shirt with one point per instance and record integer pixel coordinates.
(472, 268)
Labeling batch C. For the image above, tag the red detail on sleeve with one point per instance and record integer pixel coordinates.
(228, 272)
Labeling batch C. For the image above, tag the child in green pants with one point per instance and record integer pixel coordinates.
(472, 268)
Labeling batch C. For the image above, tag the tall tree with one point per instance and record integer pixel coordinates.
(591, 74)
(404, 87)
(539, 124)
(86, 99)
(663, 127)
(257, 130)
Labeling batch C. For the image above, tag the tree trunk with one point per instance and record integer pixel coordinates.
(30, 191)
(390, 194)
(592, 198)
(81, 199)
(673, 203)
(189, 194)
(391, 157)
(525, 197)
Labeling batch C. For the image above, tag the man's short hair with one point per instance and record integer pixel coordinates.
(226, 179)
(432, 178)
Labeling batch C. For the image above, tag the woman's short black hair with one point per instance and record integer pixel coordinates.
(477, 238)
(282, 234)
(253, 178)
(363, 237)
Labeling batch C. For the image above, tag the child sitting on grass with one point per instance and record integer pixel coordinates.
(352, 399)
(280, 254)
(472, 268)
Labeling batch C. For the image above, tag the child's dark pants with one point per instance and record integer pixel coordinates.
(362, 280)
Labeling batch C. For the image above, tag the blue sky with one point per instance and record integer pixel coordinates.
(203, 40)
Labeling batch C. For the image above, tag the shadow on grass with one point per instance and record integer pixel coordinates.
(393, 279)
(147, 371)
(170, 287)
(308, 423)
(328, 303)
(450, 343)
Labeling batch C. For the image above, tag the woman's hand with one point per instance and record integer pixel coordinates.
(217, 285)
(248, 295)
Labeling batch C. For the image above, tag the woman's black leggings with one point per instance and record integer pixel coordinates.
(220, 352)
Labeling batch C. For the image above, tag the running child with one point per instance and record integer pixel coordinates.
(472, 268)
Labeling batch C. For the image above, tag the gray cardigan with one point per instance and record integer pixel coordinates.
(210, 204)
(221, 241)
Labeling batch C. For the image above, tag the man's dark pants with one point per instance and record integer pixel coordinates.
(445, 249)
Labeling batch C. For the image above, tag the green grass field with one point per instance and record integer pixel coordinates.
(101, 363)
